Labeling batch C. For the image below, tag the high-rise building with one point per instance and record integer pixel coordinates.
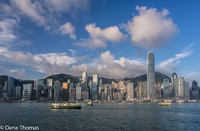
(179, 88)
(85, 95)
(173, 77)
(94, 88)
(84, 81)
(72, 93)
(57, 90)
(109, 92)
(90, 89)
(186, 92)
(130, 91)
(194, 85)
(158, 91)
(10, 86)
(78, 93)
(195, 91)
(49, 82)
(65, 91)
(99, 92)
(166, 90)
(27, 91)
(38, 84)
(150, 76)
(17, 92)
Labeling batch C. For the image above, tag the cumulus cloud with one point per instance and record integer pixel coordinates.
(98, 36)
(151, 28)
(66, 29)
(105, 65)
(7, 30)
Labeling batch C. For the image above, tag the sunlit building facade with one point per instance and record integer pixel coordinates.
(130, 91)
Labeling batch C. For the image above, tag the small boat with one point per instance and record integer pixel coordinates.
(65, 106)
(164, 104)
(90, 103)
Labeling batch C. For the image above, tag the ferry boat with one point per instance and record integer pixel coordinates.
(90, 103)
(65, 106)
(164, 104)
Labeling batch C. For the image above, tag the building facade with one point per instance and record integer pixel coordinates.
(94, 88)
(150, 76)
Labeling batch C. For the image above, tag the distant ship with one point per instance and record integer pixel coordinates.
(90, 103)
(65, 106)
(165, 103)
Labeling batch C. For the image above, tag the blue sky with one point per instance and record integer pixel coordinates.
(107, 37)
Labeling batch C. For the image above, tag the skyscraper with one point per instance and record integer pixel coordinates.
(10, 86)
(179, 87)
(173, 77)
(84, 81)
(130, 91)
(94, 88)
(65, 91)
(49, 82)
(166, 90)
(150, 76)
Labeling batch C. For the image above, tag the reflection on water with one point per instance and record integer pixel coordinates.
(103, 116)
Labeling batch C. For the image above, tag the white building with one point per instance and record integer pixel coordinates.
(130, 91)
(49, 82)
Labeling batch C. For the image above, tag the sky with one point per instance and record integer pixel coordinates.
(110, 38)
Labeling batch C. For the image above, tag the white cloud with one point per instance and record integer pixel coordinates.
(17, 73)
(169, 65)
(66, 29)
(34, 10)
(7, 29)
(174, 61)
(47, 12)
(55, 58)
(98, 36)
(51, 63)
(66, 5)
(151, 28)
(26, 42)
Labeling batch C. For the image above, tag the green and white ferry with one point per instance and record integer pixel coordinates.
(65, 106)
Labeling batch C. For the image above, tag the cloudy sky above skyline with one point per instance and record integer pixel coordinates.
(110, 38)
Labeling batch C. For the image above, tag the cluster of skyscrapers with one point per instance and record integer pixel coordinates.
(94, 88)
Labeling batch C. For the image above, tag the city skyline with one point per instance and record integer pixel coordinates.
(41, 38)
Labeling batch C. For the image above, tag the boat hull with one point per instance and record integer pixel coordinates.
(67, 107)
(164, 104)
(90, 104)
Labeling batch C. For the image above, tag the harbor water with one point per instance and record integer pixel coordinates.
(102, 116)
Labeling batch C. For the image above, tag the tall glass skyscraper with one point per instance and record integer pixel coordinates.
(166, 91)
(173, 77)
(150, 76)
(94, 88)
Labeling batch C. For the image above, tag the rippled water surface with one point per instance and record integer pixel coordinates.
(103, 116)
